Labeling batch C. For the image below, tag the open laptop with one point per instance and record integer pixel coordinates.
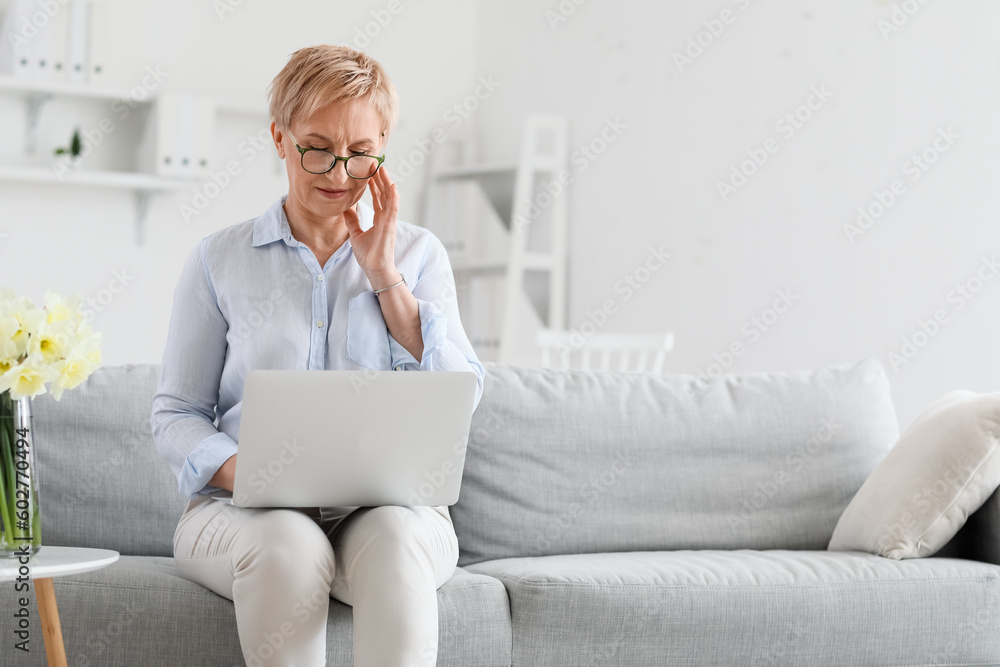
(352, 438)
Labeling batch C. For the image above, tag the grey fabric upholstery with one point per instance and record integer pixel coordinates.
(573, 461)
(103, 484)
(641, 482)
(710, 608)
(139, 611)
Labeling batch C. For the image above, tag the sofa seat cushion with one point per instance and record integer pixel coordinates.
(141, 607)
(767, 607)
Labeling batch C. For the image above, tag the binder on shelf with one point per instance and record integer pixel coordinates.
(177, 138)
(17, 48)
(77, 40)
(50, 46)
(99, 35)
(196, 116)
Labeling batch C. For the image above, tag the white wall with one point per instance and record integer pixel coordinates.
(654, 185)
(687, 127)
(73, 239)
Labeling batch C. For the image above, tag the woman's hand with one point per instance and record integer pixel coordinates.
(375, 249)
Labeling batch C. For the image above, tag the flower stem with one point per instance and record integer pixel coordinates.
(6, 467)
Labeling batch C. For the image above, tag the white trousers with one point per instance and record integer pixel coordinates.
(281, 566)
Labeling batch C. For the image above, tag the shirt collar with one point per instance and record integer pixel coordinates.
(273, 224)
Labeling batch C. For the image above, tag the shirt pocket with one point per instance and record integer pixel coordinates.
(367, 336)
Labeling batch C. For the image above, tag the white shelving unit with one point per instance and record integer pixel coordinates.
(144, 186)
(37, 93)
(479, 248)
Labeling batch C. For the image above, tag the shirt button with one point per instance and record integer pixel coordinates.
(319, 323)
(398, 368)
(320, 277)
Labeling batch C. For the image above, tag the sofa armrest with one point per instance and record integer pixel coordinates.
(979, 538)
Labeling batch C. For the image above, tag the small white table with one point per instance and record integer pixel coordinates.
(55, 562)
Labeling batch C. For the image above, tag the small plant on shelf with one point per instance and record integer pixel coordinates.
(75, 146)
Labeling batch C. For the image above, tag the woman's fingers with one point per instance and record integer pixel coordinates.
(376, 194)
(391, 192)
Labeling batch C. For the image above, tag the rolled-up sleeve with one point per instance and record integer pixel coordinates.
(184, 406)
(446, 345)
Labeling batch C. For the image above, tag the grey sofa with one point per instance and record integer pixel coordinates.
(605, 518)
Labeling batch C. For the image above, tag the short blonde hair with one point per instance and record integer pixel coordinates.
(316, 76)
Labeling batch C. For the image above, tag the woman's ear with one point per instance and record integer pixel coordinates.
(277, 135)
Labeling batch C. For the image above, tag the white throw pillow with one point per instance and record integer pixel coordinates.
(941, 470)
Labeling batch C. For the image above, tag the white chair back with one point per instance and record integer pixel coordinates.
(635, 352)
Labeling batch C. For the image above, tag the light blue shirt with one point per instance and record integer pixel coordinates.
(252, 296)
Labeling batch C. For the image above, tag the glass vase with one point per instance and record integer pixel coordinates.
(20, 528)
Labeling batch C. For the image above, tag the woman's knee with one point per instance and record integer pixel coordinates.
(396, 534)
(284, 543)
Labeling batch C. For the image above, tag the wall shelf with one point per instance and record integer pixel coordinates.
(37, 93)
(475, 170)
(144, 185)
(65, 89)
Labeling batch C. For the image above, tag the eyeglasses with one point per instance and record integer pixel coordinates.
(319, 161)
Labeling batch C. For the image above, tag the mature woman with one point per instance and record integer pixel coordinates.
(319, 281)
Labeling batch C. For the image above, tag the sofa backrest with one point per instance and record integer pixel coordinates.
(101, 481)
(559, 461)
(578, 461)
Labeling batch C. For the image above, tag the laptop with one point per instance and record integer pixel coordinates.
(352, 438)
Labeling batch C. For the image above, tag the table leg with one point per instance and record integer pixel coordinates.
(45, 594)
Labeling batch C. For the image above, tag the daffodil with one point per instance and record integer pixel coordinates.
(28, 378)
(29, 320)
(58, 309)
(70, 373)
(55, 344)
(8, 348)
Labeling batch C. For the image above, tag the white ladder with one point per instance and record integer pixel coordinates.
(514, 195)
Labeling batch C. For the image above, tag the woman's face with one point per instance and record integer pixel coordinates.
(345, 128)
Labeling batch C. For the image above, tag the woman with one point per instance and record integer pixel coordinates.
(319, 281)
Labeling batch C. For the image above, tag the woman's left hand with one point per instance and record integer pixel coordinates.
(374, 249)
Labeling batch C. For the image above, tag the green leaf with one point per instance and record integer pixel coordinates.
(75, 145)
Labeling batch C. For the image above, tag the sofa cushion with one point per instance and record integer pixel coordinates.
(575, 461)
(101, 480)
(707, 608)
(944, 467)
(140, 611)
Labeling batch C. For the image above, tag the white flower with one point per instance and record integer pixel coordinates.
(54, 341)
(55, 344)
(28, 378)
(84, 360)
(58, 309)
(8, 348)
